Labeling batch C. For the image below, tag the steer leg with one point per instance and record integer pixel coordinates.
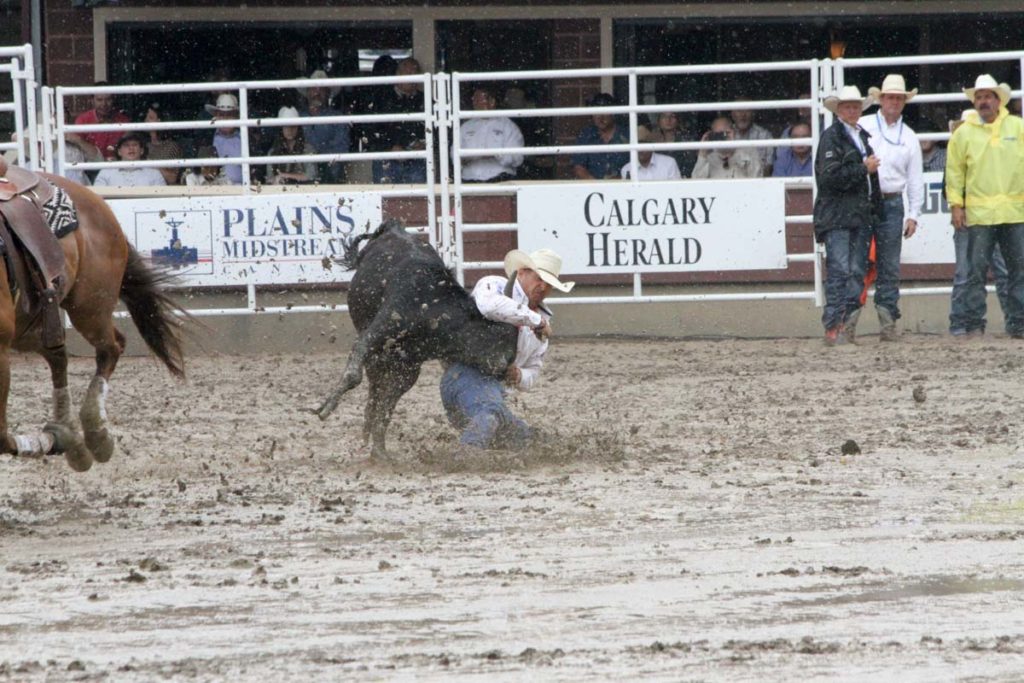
(368, 343)
(390, 377)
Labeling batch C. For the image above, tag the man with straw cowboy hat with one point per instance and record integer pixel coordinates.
(474, 402)
(899, 169)
(985, 190)
(846, 171)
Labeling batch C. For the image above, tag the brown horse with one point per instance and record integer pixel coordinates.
(101, 268)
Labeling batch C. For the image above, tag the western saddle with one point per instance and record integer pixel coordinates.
(32, 253)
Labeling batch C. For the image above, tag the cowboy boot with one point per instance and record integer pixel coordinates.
(888, 325)
(851, 326)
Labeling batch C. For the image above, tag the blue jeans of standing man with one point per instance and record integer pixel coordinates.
(981, 242)
(957, 304)
(888, 234)
(842, 290)
(475, 403)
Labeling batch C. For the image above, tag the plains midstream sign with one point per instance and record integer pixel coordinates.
(657, 227)
(235, 240)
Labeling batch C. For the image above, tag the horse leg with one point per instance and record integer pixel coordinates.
(389, 379)
(93, 413)
(66, 436)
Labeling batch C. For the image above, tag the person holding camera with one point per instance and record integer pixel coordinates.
(744, 162)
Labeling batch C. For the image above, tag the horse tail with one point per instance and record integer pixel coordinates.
(153, 312)
(350, 247)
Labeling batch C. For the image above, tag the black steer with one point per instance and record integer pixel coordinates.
(408, 308)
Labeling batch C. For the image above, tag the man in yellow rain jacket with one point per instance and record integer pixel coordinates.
(985, 189)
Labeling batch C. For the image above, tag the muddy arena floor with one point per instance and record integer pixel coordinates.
(692, 517)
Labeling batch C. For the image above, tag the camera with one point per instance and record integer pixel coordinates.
(718, 136)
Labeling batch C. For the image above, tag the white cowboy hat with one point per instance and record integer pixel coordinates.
(317, 75)
(848, 93)
(986, 82)
(964, 115)
(892, 85)
(225, 102)
(287, 113)
(546, 263)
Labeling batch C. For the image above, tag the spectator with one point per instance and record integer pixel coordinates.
(726, 163)
(846, 170)
(983, 165)
(403, 98)
(289, 141)
(957, 310)
(207, 175)
(603, 131)
(365, 100)
(799, 161)
(745, 129)
(103, 111)
(75, 150)
(326, 138)
(899, 156)
(781, 155)
(131, 147)
(667, 125)
(652, 165)
(933, 154)
(227, 141)
(490, 133)
(162, 148)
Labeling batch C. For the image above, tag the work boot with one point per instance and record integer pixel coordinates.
(888, 325)
(851, 326)
(834, 336)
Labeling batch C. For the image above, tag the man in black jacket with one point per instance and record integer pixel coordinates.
(846, 171)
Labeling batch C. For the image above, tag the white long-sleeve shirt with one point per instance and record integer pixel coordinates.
(489, 294)
(900, 166)
(490, 134)
(661, 167)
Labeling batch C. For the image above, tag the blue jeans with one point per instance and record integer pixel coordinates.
(888, 234)
(981, 243)
(475, 403)
(399, 171)
(842, 288)
(957, 303)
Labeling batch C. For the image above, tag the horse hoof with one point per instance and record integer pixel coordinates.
(100, 444)
(79, 458)
(66, 441)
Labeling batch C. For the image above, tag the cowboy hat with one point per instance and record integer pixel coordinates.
(225, 102)
(287, 113)
(546, 263)
(964, 115)
(986, 82)
(317, 75)
(848, 93)
(892, 85)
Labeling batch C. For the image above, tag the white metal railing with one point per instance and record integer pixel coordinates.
(17, 62)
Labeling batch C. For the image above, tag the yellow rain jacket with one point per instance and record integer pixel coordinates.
(985, 162)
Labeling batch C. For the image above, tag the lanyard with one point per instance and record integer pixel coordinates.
(881, 131)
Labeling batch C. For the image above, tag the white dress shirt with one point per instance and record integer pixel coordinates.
(900, 166)
(489, 294)
(490, 134)
(661, 167)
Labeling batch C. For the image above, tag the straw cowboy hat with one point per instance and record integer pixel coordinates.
(986, 82)
(964, 115)
(287, 113)
(848, 93)
(225, 102)
(892, 85)
(317, 75)
(546, 263)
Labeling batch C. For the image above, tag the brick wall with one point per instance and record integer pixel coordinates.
(68, 56)
(576, 44)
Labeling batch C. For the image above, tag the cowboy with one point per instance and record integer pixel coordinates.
(983, 163)
(846, 171)
(899, 169)
(227, 141)
(474, 402)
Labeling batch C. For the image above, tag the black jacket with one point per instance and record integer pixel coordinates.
(843, 200)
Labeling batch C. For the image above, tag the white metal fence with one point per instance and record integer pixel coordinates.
(442, 118)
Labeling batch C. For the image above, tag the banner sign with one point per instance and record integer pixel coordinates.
(933, 241)
(657, 227)
(234, 240)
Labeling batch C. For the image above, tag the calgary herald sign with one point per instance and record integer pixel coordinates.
(235, 240)
(657, 227)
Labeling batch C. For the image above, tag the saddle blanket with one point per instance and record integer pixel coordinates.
(60, 213)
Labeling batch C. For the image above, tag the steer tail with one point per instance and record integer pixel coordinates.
(153, 312)
(352, 255)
